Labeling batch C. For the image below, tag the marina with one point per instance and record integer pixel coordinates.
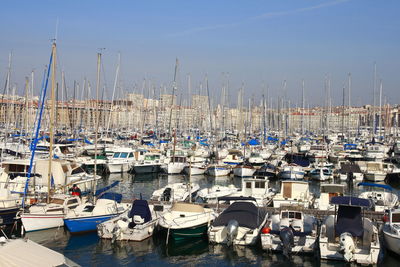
(200, 133)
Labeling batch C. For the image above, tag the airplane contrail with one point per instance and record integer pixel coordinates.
(259, 17)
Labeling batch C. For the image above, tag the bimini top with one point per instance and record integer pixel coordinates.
(384, 186)
(351, 201)
(245, 213)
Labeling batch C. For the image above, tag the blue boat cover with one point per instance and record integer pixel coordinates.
(384, 186)
(245, 213)
(111, 195)
(349, 220)
(140, 207)
(253, 142)
(351, 201)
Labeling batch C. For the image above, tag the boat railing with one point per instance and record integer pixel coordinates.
(8, 203)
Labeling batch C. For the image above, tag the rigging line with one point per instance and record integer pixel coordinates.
(35, 140)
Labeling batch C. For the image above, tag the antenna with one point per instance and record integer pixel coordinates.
(56, 35)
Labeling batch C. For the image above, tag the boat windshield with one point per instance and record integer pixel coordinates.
(124, 155)
(116, 155)
(291, 215)
(57, 201)
(396, 218)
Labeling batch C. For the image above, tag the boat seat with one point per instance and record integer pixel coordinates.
(284, 223)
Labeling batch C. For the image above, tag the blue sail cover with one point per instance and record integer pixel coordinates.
(253, 142)
(384, 186)
(140, 207)
(104, 189)
(111, 195)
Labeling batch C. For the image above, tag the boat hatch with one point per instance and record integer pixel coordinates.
(88, 208)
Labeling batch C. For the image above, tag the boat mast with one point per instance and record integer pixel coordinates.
(349, 111)
(97, 122)
(380, 109)
(51, 124)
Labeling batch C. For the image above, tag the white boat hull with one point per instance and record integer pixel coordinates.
(36, 222)
(244, 172)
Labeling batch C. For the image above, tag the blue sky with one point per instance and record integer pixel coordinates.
(254, 41)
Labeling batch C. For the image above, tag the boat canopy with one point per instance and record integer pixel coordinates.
(349, 220)
(140, 207)
(351, 201)
(245, 213)
(384, 186)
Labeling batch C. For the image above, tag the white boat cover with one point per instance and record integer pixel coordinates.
(20, 252)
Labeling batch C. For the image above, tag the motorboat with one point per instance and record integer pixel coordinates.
(243, 170)
(294, 193)
(292, 171)
(349, 171)
(376, 171)
(218, 170)
(176, 192)
(136, 224)
(195, 169)
(176, 165)
(151, 163)
(210, 195)
(122, 160)
(381, 195)
(391, 231)
(290, 231)
(348, 235)
(239, 224)
(256, 159)
(268, 170)
(321, 174)
(186, 220)
(257, 189)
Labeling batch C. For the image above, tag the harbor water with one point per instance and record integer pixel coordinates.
(89, 250)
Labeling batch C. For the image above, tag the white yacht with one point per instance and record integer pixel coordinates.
(244, 170)
(122, 160)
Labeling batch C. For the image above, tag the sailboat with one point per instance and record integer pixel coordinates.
(87, 216)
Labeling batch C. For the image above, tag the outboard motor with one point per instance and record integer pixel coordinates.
(347, 246)
(166, 196)
(232, 231)
(287, 238)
